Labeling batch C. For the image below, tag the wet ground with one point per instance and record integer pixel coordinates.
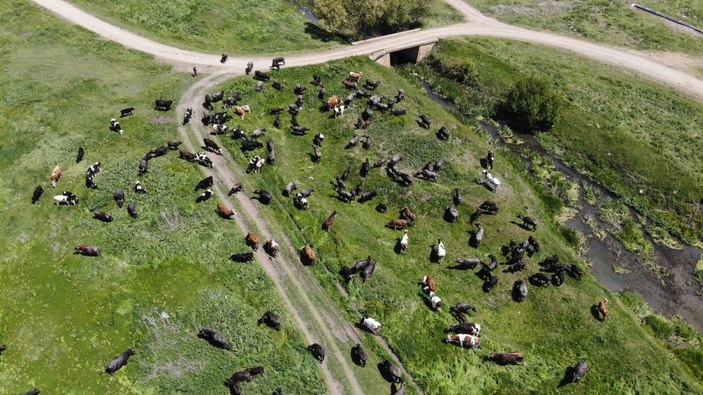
(669, 295)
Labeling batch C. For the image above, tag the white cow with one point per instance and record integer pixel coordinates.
(464, 339)
(441, 251)
(371, 324)
(491, 181)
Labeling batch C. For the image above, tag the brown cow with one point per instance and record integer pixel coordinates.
(333, 101)
(241, 110)
(603, 309)
(55, 175)
(428, 282)
(407, 214)
(329, 221)
(506, 358)
(272, 248)
(307, 255)
(397, 224)
(252, 241)
(224, 211)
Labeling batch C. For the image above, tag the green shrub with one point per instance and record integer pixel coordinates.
(532, 104)
(662, 327)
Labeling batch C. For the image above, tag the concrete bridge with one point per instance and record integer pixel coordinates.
(401, 53)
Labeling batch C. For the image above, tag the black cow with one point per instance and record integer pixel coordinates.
(119, 197)
(358, 355)
(390, 372)
(215, 338)
(79, 156)
(270, 319)
(163, 105)
(317, 351)
(205, 183)
(37, 193)
(366, 196)
(119, 361)
(132, 209)
(87, 250)
(143, 167)
(127, 111)
(243, 257)
(264, 196)
(102, 216)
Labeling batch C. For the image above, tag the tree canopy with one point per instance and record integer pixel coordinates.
(356, 20)
(533, 104)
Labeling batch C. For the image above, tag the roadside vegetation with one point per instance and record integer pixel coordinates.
(610, 21)
(246, 27)
(160, 278)
(554, 326)
(638, 139)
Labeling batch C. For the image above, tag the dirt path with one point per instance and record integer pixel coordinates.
(477, 25)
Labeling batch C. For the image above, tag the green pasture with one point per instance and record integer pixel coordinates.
(553, 326)
(629, 134)
(610, 21)
(236, 27)
(64, 316)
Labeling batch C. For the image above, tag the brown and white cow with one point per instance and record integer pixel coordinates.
(428, 282)
(463, 340)
(241, 110)
(333, 102)
(272, 248)
(252, 240)
(55, 176)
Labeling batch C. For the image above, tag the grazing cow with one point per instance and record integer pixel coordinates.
(441, 251)
(404, 242)
(490, 158)
(369, 323)
(102, 216)
(575, 374)
(368, 269)
(261, 76)
(79, 156)
(463, 339)
(463, 308)
(264, 196)
(33, 391)
(132, 209)
(358, 355)
(528, 222)
(397, 224)
(443, 134)
(86, 250)
(126, 111)
(329, 221)
(119, 361)
(390, 372)
(249, 68)
(354, 76)
(506, 358)
(470, 328)
(241, 376)
(350, 84)
(37, 193)
(318, 139)
(235, 188)
(519, 291)
(119, 197)
(66, 198)
(272, 248)
(539, 279)
(224, 211)
(316, 154)
(603, 309)
(270, 319)
(424, 121)
(139, 188)
(115, 126)
(189, 156)
(428, 282)
(241, 110)
(466, 264)
(372, 84)
(252, 240)
(407, 214)
(339, 110)
(211, 146)
(451, 214)
(398, 111)
(366, 196)
(477, 237)
(317, 351)
(277, 85)
(259, 86)
(256, 164)
(55, 176)
(558, 278)
(490, 181)
(333, 102)
(398, 391)
(435, 301)
(307, 255)
(574, 271)
(143, 167)
(242, 257)
(489, 284)
(163, 105)
(205, 183)
(366, 143)
(290, 187)
(516, 267)
(353, 142)
(215, 338)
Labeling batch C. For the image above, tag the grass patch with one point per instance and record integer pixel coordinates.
(612, 22)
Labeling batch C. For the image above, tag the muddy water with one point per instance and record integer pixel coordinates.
(675, 294)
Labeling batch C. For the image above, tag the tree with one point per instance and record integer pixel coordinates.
(533, 104)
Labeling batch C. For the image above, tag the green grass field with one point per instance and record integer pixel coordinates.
(64, 316)
(609, 21)
(554, 326)
(629, 134)
(236, 27)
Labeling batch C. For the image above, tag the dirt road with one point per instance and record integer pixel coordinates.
(476, 24)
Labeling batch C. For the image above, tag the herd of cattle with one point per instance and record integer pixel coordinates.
(464, 334)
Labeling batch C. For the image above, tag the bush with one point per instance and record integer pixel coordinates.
(354, 21)
(662, 327)
(532, 105)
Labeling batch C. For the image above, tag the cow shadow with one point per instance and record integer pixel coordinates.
(595, 312)
(472, 239)
(434, 255)
(484, 163)
(568, 376)
(397, 248)
(313, 158)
